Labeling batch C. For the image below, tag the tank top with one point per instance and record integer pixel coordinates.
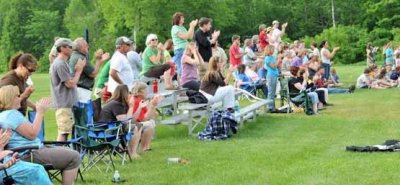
(189, 71)
(323, 57)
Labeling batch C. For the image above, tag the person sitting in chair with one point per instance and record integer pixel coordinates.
(25, 133)
(299, 83)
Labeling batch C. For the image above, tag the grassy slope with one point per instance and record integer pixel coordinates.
(275, 149)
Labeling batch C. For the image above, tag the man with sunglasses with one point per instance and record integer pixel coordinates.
(120, 69)
(63, 86)
(89, 72)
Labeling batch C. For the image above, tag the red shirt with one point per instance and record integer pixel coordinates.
(234, 50)
(136, 106)
(262, 37)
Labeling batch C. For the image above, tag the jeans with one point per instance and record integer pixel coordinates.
(271, 84)
(327, 68)
(263, 87)
(312, 95)
(337, 90)
(178, 53)
(192, 85)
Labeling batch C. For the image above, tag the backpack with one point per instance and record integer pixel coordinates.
(308, 106)
(196, 97)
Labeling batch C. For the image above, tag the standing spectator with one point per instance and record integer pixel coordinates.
(191, 60)
(53, 52)
(101, 84)
(152, 66)
(389, 54)
(220, 53)
(205, 40)
(180, 37)
(371, 54)
(120, 69)
(22, 65)
(262, 37)
(235, 56)
(397, 60)
(326, 58)
(215, 87)
(277, 34)
(135, 61)
(63, 86)
(272, 76)
(89, 73)
(249, 57)
(254, 41)
(315, 50)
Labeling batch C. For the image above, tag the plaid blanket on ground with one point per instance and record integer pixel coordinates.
(220, 123)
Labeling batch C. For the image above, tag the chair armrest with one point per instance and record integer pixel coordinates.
(24, 148)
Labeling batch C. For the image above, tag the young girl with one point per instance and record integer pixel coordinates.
(191, 60)
(335, 78)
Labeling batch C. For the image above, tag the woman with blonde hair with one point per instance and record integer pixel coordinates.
(191, 60)
(272, 75)
(25, 133)
(215, 87)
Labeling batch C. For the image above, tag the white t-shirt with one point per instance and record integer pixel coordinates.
(316, 52)
(362, 81)
(119, 62)
(135, 61)
(252, 75)
(276, 34)
(248, 57)
(323, 57)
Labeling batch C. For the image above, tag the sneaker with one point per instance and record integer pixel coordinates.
(352, 89)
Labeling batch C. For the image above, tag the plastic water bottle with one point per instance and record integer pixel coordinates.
(116, 177)
(237, 107)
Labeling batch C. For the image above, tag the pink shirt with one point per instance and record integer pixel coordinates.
(189, 71)
(234, 50)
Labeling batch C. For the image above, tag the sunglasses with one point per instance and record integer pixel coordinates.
(70, 47)
(154, 39)
(30, 70)
(128, 44)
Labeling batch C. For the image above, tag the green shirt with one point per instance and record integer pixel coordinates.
(147, 64)
(178, 42)
(103, 77)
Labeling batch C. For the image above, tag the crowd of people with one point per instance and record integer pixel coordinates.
(198, 63)
(384, 77)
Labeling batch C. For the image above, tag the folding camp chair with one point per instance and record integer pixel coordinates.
(286, 95)
(107, 132)
(51, 171)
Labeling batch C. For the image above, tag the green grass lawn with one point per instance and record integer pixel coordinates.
(274, 149)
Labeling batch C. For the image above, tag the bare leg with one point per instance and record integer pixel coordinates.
(315, 108)
(146, 138)
(68, 176)
(168, 78)
(134, 142)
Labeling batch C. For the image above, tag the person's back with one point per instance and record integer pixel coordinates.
(111, 110)
(362, 81)
(203, 44)
(189, 71)
(103, 77)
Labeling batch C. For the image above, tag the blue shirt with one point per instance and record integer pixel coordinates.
(389, 54)
(13, 119)
(271, 71)
(244, 78)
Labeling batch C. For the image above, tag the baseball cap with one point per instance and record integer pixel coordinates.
(275, 22)
(123, 40)
(64, 42)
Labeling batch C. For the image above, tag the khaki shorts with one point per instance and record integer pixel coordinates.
(203, 69)
(64, 120)
(61, 158)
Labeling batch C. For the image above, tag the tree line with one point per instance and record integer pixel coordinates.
(31, 25)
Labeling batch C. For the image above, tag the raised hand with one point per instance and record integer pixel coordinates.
(193, 23)
(80, 64)
(216, 34)
(28, 91)
(43, 104)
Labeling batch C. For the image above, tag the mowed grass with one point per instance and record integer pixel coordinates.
(274, 149)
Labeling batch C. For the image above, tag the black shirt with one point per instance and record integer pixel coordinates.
(202, 40)
(210, 87)
(111, 110)
(292, 88)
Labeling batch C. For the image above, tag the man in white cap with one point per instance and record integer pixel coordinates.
(277, 34)
(120, 69)
(63, 86)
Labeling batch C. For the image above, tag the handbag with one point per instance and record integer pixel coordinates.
(196, 97)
